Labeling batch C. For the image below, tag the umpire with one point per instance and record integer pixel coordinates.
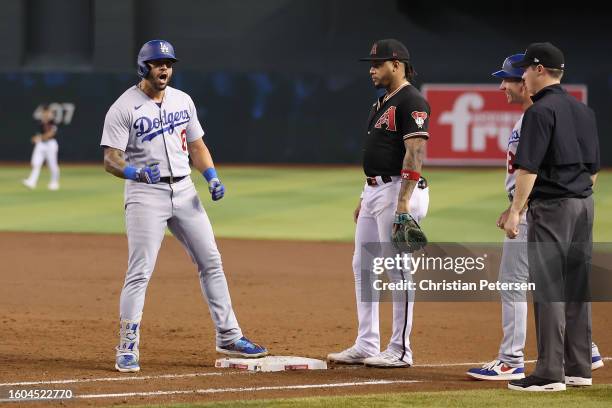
(558, 161)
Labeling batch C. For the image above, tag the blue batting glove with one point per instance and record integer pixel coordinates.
(148, 174)
(216, 189)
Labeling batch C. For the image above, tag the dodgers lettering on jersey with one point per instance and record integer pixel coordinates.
(513, 142)
(149, 133)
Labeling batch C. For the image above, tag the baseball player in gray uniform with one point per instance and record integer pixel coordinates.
(514, 267)
(149, 134)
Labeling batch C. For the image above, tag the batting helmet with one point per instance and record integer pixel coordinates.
(508, 71)
(151, 51)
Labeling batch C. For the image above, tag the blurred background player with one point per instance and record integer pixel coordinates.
(45, 149)
(510, 363)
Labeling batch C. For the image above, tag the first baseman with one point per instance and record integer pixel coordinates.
(394, 191)
(149, 135)
(510, 363)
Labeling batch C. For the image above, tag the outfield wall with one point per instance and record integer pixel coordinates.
(273, 80)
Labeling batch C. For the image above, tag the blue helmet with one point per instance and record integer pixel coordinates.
(151, 51)
(508, 71)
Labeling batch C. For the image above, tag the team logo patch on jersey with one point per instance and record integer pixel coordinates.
(388, 119)
(419, 118)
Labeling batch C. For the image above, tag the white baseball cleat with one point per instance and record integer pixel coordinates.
(53, 186)
(349, 356)
(29, 184)
(387, 359)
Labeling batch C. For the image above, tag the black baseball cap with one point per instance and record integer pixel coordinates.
(388, 49)
(544, 54)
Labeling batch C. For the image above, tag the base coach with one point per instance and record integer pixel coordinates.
(558, 161)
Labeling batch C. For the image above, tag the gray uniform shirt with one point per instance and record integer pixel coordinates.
(149, 133)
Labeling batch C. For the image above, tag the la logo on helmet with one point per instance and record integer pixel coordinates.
(164, 47)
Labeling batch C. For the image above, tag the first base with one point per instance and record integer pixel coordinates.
(271, 363)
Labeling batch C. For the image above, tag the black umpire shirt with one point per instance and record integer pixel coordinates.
(559, 143)
(394, 118)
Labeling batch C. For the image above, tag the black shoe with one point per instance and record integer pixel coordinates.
(533, 383)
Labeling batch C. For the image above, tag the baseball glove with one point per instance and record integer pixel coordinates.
(407, 235)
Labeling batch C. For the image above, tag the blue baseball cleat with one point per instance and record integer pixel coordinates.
(127, 363)
(243, 347)
(596, 360)
(497, 370)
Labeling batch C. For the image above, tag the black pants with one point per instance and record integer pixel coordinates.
(560, 246)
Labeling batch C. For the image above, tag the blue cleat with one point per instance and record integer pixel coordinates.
(127, 363)
(596, 360)
(497, 370)
(243, 347)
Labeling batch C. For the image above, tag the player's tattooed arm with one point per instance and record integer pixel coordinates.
(413, 161)
(200, 155)
(114, 163)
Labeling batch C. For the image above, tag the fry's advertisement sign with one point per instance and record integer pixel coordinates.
(471, 124)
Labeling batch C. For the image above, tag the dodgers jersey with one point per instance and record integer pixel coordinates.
(149, 133)
(513, 142)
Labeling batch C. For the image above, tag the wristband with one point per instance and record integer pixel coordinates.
(210, 173)
(130, 172)
(410, 175)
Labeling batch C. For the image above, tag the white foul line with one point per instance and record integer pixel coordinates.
(170, 376)
(124, 378)
(476, 364)
(247, 389)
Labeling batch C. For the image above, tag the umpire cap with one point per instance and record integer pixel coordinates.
(151, 51)
(508, 70)
(388, 49)
(545, 54)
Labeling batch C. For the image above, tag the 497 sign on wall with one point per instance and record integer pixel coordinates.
(471, 124)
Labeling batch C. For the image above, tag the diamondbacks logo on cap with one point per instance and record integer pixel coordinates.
(373, 50)
(419, 118)
(163, 47)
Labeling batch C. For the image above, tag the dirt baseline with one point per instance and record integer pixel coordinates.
(59, 298)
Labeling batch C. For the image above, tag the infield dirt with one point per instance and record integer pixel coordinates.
(59, 298)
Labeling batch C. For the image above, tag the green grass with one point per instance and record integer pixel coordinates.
(597, 396)
(272, 203)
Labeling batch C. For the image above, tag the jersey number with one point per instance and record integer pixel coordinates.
(511, 167)
(62, 112)
(183, 137)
